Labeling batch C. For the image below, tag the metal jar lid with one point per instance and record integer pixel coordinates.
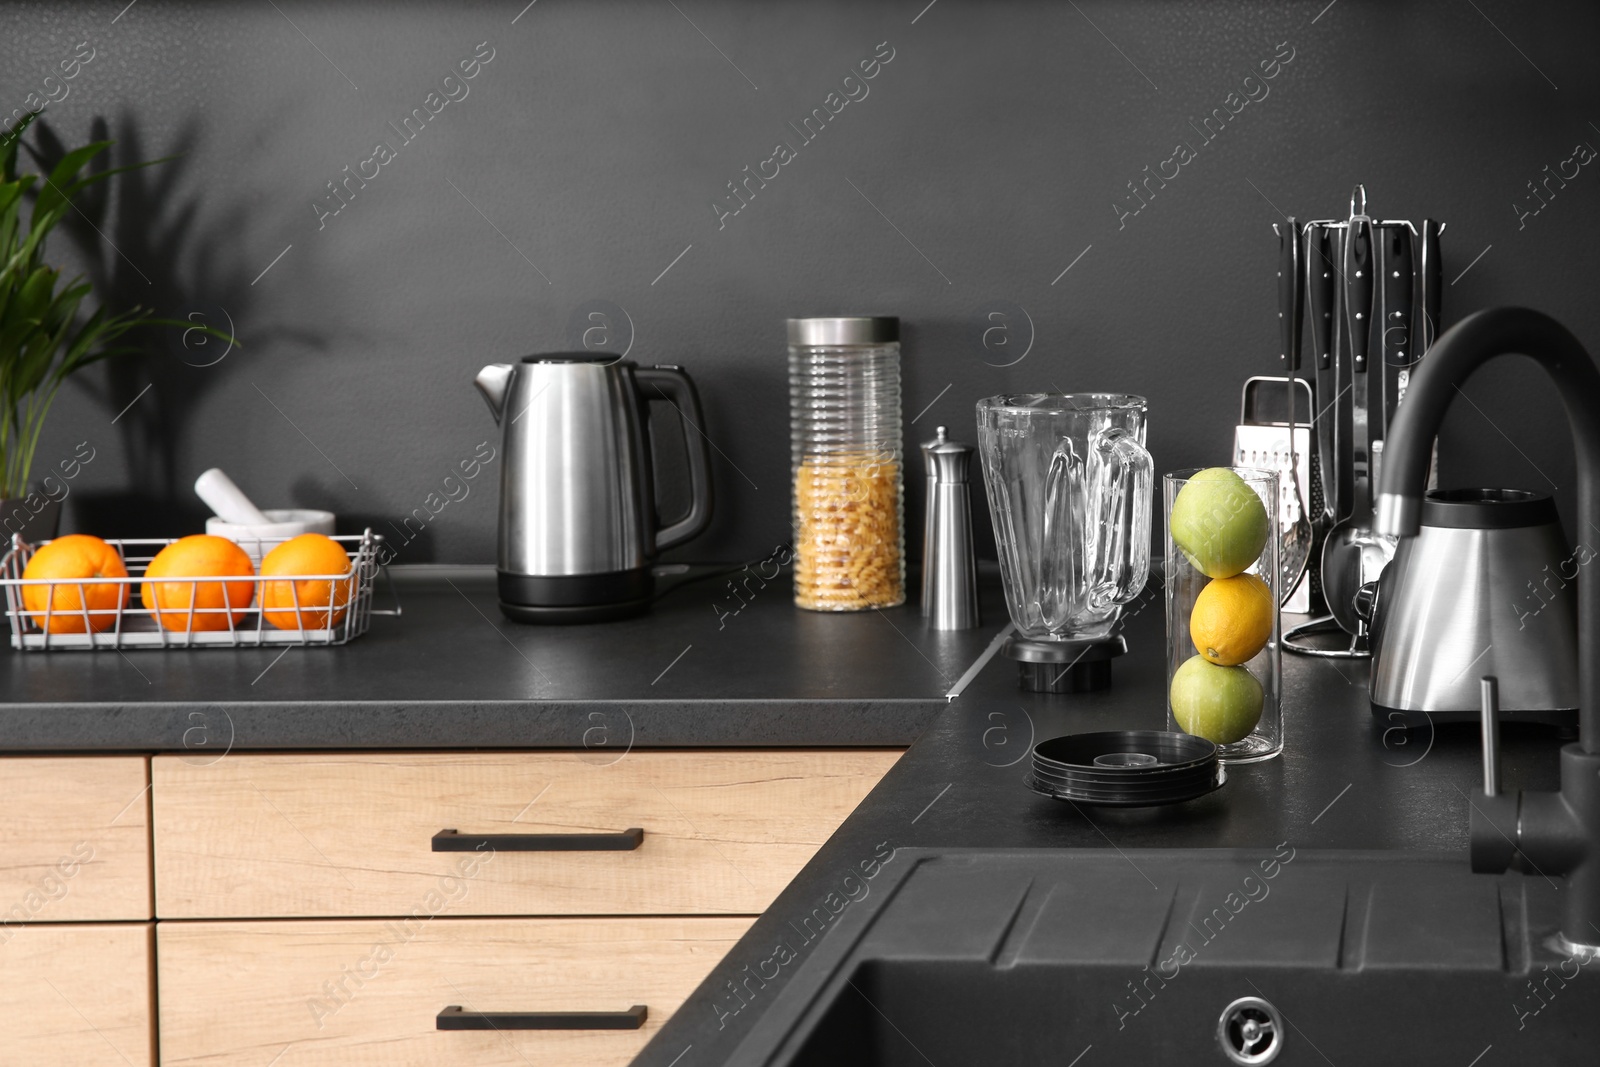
(859, 330)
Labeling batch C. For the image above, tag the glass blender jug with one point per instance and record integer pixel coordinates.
(1069, 484)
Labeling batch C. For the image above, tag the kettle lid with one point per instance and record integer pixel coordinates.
(1487, 509)
(573, 357)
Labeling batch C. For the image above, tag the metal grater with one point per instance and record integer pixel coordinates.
(1264, 444)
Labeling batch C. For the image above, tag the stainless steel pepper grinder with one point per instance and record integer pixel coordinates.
(949, 571)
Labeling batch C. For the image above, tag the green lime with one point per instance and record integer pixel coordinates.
(1220, 704)
(1219, 523)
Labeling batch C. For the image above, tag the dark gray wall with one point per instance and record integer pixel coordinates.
(986, 158)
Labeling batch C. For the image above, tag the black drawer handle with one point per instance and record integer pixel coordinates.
(455, 841)
(455, 1018)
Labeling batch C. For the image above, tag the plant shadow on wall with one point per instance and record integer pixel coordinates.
(147, 242)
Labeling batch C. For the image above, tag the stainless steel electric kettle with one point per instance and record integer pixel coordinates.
(578, 523)
(1486, 587)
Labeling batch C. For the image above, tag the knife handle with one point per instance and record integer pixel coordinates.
(1291, 287)
(1432, 275)
(1358, 264)
(1320, 270)
(1398, 347)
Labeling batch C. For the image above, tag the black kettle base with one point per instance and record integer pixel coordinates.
(573, 614)
(575, 598)
(1417, 719)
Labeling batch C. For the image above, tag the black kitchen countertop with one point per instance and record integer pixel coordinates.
(699, 670)
(1344, 781)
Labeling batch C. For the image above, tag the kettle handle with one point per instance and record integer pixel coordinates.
(673, 385)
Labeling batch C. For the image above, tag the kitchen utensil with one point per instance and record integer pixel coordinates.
(1262, 439)
(1296, 531)
(578, 525)
(1352, 555)
(1430, 276)
(1488, 586)
(949, 569)
(1126, 768)
(227, 500)
(1358, 281)
(1322, 252)
(844, 439)
(1262, 663)
(257, 539)
(1069, 485)
(1397, 337)
(1430, 286)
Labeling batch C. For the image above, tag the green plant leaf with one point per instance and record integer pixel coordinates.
(8, 145)
(62, 177)
(43, 338)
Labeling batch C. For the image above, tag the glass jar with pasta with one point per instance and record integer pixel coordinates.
(844, 410)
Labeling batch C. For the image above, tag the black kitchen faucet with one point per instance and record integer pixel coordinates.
(1552, 834)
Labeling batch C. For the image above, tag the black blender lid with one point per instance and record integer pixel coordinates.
(1125, 768)
(1111, 797)
(1486, 509)
(1127, 751)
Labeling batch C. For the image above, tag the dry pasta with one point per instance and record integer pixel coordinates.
(847, 530)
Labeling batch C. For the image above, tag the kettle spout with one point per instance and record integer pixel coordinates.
(494, 381)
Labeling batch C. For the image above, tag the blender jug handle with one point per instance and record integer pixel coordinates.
(673, 385)
(1120, 474)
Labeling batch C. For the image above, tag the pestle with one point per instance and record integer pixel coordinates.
(228, 500)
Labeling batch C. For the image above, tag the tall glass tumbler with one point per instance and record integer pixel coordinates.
(1224, 675)
(844, 436)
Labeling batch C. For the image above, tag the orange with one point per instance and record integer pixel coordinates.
(217, 605)
(310, 553)
(1232, 619)
(78, 557)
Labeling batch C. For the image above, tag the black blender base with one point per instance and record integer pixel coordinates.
(1064, 666)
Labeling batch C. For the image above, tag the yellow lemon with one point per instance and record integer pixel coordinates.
(1232, 619)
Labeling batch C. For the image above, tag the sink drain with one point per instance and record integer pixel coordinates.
(1248, 1031)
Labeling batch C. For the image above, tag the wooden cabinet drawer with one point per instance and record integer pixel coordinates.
(78, 994)
(350, 993)
(74, 839)
(351, 835)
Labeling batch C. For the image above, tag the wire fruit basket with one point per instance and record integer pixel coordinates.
(132, 624)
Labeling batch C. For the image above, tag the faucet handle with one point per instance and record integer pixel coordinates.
(1489, 711)
(1493, 822)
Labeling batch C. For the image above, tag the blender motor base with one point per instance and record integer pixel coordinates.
(1064, 666)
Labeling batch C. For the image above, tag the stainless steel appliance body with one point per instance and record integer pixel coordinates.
(1487, 587)
(578, 526)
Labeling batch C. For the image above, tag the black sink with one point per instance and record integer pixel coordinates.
(1314, 957)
